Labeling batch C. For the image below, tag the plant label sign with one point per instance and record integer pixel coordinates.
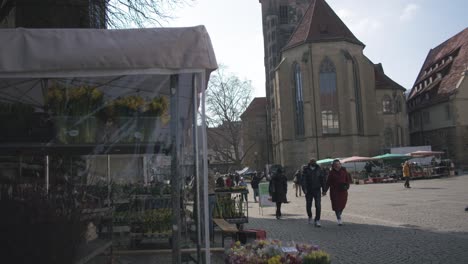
(264, 195)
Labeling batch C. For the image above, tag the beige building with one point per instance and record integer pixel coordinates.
(438, 101)
(254, 128)
(328, 99)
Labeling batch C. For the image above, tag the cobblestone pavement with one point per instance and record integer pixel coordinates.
(384, 223)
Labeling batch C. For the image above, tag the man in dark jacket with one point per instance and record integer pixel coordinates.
(313, 179)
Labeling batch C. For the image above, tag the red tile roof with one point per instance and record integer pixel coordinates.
(457, 47)
(382, 81)
(320, 23)
(256, 107)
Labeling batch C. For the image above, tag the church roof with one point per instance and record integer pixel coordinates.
(320, 23)
(382, 81)
(444, 65)
(256, 107)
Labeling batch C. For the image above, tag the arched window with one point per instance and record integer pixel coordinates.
(299, 100)
(329, 98)
(388, 137)
(398, 106)
(387, 104)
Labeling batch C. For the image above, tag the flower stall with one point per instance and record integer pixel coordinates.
(100, 131)
(276, 252)
(232, 205)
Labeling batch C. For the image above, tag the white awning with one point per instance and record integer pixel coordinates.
(52, 53)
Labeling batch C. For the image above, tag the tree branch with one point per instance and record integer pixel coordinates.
(5, 8)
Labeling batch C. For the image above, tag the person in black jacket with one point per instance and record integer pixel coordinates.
(278, 188)
(313, 179)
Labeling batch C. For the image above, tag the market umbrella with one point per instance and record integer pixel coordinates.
(425, 153)
(393, 159)
(325, 161)
(355, 159)
(389, 156)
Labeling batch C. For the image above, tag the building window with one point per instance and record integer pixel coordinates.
(329, 98)
(388, 137)
(448, 112)
(283, 14)
(398, 105)
(399, 140)
(387, 104)
(299, 99)
(426, 117)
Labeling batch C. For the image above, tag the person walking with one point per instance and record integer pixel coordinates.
(298, 182)
(278, 188)
(313, 180)
(407, 174)
(255, 183)
(338, 182)
(242, 183)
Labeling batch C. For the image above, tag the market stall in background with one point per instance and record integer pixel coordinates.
(100, 130)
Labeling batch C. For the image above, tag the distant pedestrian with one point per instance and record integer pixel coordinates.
(255, 183)
(313, 184)
(237, 178)
(242, 183)
(220, 182)
(338, 181)
(229, 181)
(407, 174)
(278, 188)
(298, 182)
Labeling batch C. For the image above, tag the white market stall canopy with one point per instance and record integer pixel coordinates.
(100, 52)
(43, 68)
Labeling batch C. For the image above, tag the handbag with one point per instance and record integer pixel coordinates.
(344, 186)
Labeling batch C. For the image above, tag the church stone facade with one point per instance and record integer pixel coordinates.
(328, 99)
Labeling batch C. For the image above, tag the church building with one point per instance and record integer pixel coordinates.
(325, 97)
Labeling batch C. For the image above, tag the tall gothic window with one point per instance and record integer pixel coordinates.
(329, 98)
(388, 137)
(299, 100)
(387, 104)
(398, 106)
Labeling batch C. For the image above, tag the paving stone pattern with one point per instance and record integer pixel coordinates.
(384, 223)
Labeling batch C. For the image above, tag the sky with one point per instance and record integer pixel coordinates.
(397, 33)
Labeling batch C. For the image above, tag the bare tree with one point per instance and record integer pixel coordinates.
(227, 98)
(115, 13)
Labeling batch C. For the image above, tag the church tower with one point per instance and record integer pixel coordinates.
(279, 19)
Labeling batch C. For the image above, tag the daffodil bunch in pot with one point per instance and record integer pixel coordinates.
(83, 104)
(56, 104)
(124, 112)
(150, 121)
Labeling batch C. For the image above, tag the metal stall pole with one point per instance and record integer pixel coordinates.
(197, 165)
(205, 170)
(20, 166)
(108, 181)
(47, 173)
(175, 196)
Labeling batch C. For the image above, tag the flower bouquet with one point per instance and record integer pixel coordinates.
(74, 110)
(135, 117)
(274, 252)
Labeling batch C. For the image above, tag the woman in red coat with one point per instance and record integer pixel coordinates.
(338, 181)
